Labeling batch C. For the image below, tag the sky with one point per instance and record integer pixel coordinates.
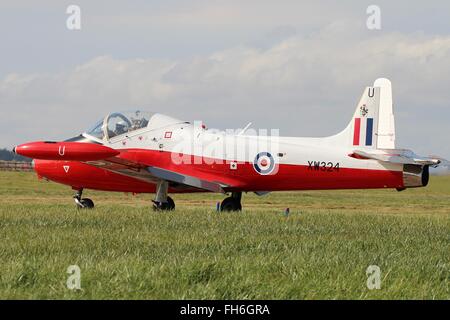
(297, 66)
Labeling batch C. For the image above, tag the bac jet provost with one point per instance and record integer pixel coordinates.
(142, 152)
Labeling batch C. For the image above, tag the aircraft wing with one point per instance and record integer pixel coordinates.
(154, 174)
(399, 156)
(117, 161)
(186, 180)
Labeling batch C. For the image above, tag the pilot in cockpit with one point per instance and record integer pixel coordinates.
(121, 128)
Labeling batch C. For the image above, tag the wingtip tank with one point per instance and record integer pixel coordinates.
(65, 151)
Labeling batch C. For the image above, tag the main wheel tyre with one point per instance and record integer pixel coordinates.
(86, 204)
(230, 204)
(165, 206)
(170, 204)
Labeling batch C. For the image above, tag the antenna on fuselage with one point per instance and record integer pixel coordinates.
(245, 129)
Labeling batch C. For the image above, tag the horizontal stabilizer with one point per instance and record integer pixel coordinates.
(400, 156)
(444, 162)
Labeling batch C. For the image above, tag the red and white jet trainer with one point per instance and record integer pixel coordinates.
(142, 152)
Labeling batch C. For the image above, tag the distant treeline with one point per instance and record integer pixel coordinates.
(7, 155)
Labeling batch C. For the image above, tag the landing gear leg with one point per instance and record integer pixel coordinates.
(232, 203)
(82, 203)
(162, 200)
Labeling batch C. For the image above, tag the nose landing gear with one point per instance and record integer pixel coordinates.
(82, 203)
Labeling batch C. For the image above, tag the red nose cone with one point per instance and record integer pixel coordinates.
(65, 151)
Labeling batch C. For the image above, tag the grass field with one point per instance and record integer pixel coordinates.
(320, 251)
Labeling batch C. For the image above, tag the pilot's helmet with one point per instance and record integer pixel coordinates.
(121, 127)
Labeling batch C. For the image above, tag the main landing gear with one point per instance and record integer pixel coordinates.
(162, 201)
(232, 203)
(82, 203)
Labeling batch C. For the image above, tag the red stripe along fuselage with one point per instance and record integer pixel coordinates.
(314, 176)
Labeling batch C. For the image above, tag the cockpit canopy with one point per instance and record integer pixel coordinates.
(119, 123)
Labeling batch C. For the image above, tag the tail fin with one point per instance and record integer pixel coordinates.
(372, 125)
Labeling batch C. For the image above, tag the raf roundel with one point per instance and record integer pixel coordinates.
(264, 163)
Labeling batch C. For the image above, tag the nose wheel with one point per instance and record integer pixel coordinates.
(81, 203)
(232, 203)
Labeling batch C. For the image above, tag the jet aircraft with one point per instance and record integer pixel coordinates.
(143, 152)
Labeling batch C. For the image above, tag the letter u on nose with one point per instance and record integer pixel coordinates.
(62, 150)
